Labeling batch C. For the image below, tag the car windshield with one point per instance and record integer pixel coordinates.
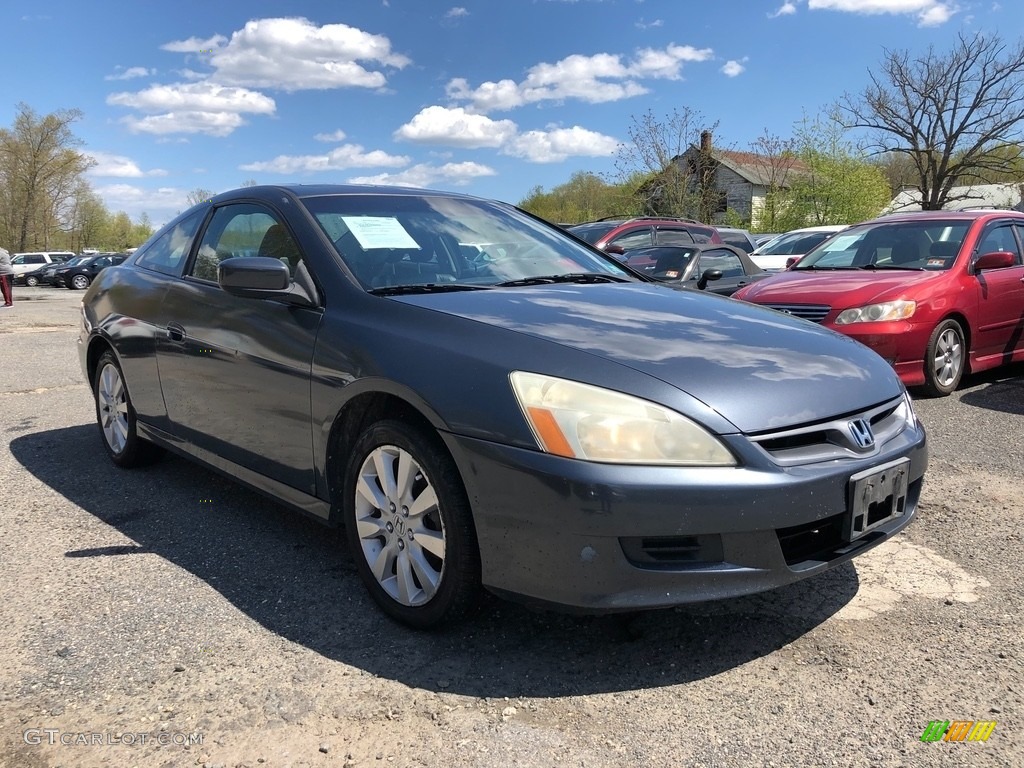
(919, 245)
(594, 231)
(75, 261)
(793, 244)
(391, 241)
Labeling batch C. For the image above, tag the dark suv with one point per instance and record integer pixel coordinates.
(622, 234)
(79, 275)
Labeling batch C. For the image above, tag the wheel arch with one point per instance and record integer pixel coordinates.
(965, 326)
(355, 416)
(97, 346)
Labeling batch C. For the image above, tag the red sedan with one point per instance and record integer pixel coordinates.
(935, 293)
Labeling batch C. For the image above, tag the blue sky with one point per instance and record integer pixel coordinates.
(489, 97)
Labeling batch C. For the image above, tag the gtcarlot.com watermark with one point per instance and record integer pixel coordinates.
(52, 736)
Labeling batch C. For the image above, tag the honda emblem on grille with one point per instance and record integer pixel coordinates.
(860, 431)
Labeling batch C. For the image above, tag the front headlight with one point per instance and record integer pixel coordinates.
(581, 421)
(876, 313)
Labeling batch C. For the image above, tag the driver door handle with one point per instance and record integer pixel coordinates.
(175, 332)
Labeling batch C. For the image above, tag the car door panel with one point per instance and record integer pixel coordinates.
(235, 371)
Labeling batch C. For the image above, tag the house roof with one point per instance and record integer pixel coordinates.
(976, 196)
(751, 166)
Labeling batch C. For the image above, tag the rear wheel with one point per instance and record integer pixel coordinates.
(409, 526)
(116, 417)
(945, 358)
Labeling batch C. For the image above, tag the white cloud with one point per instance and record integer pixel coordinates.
(929, 13)
(555, 145)
(426, 175)
(455, 13)
(455, 127)
(203, 107)
(649, 24)
(131, 73)
(732, 67)
(599, 78)
(210, 123)
(786, 9)
(108, 164)
(338, 159)
(338, 135)
(160, 204)
(195, 45)
(294, 54)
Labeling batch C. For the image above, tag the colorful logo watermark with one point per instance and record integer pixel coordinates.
(958, 730)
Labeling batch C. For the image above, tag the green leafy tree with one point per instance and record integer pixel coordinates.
(837, 184)
(40, 169)
(584, 197)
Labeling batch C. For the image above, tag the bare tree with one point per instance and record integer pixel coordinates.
(652, 151)
(953, 114)
(198, 195)
(774, 158)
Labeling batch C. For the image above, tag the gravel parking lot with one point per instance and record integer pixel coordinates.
(169, 617)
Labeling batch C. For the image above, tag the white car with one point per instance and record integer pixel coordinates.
(778, 253)
(29, 262)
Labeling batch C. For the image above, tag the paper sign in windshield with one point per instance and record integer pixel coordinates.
(379, 232)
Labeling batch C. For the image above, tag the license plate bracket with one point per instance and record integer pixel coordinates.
(877, 496)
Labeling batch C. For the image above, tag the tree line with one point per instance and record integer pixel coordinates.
(929, 123)
(46, 202)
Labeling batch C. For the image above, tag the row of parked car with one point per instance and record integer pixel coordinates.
(935, 294)
(61, 268)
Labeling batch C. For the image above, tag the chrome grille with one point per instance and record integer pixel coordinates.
(836, 438)
(816, 313)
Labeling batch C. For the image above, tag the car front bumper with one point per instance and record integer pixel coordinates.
(901, 343)
(598, 537)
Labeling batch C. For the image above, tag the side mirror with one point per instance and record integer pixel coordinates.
(994, 260)
(614, 249)
(261, 277)
(791, 261)
(709, 274)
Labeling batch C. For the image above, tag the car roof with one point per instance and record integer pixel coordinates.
(323, 190)
(966, 215)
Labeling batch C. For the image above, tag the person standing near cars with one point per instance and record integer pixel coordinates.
(6, 278)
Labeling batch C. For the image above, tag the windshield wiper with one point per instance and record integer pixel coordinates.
(397, 290)
(571, 277)
(873, 267)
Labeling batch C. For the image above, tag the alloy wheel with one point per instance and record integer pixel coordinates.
(948, 358)
(113, 408)
(399, 526)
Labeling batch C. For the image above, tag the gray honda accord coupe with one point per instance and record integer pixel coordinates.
(486, 402)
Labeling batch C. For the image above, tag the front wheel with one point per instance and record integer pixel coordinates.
(409, 526)
(945, 358)
(80, 282)
(31, 281)
(116, 417)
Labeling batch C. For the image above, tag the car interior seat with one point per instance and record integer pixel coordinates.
(278, 244)
(904, 252)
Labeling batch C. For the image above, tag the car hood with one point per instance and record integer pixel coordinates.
(758, 368)
(840, 289)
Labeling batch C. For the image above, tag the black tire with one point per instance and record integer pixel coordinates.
(945, 359)
(115, 417)
(379, 532)
(79, 282)
(31, 282)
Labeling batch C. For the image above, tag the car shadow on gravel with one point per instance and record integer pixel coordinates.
(1001, 389)
(295, 578)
